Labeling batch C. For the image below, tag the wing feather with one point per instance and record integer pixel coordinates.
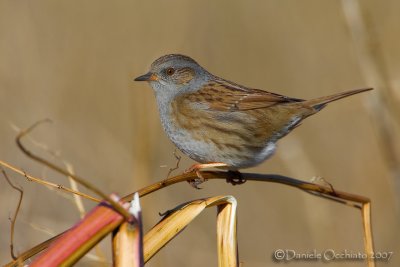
(222, 95)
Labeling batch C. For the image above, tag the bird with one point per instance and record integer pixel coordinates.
(219, 123)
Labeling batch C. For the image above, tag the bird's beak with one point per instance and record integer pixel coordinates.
(147, 77)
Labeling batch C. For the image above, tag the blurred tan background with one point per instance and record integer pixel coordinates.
(73, 62)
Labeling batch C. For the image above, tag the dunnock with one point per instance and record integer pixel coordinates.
(220, 123)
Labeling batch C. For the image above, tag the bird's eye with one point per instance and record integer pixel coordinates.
(170, 71)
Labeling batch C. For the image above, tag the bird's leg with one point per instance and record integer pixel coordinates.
(197, 167)
(235, 178)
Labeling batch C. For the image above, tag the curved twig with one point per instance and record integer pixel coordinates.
(272, 178)
(14, 218)
(58, 169)
(47, 183)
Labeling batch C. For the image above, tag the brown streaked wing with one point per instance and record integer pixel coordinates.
(221, 95)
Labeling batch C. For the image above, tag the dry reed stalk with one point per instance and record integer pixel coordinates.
(14, 217)
(176, 221)
(128, 240)
(77, 241)
(47, 183)
(226, 232)
(152, 245)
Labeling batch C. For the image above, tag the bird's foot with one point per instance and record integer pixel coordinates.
(196, 168)
(198, 181)
(235, 178)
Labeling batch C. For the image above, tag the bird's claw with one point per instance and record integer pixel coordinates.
(235, 178)
(199, 180)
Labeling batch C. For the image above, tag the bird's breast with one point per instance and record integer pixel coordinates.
(234, 138)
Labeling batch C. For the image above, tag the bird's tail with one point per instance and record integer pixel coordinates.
(320, 102)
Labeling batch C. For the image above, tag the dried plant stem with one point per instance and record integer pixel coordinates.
(226, 232)
(77, 199)
(127, 240)
(178, 160)
(272, 178)
(58, 169)
(352, 200)
(33, 251)
(78, 240)
(315, 189)
(46, 183)
(14, 218)
(172, 224)
(368, 244)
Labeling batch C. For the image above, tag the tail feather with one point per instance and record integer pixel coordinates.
(320, 102)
